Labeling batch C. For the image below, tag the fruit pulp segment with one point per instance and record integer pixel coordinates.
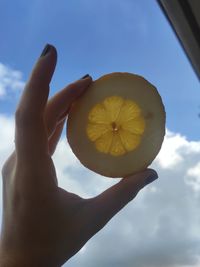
(115, 126)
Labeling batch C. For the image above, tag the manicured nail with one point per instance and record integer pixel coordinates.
(151, 178)
(45, 50)
(85, 76)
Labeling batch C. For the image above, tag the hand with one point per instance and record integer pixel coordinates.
(44, 225)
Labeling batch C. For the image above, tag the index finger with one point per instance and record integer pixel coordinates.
(30, 133)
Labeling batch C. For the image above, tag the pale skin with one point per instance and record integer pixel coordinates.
(44, 225)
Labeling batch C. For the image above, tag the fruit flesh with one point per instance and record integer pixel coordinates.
(115, 126)
(129, 87)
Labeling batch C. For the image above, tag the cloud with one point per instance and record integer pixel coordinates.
(75, 177)
(174, 150)
(11, 81)
(6, 144)
(160, 228)
(193, 177)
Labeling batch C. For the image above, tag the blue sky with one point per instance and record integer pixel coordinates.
(160, 227)
(99, 37)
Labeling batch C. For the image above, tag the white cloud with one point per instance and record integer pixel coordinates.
(193, 177)
(174, 150)
(6, 144)
(75, 177)
(6, 137)
(10, 80)
(160, 228)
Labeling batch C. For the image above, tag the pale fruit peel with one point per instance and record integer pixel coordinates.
(117, 126)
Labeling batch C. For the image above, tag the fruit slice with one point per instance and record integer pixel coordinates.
(117, 127)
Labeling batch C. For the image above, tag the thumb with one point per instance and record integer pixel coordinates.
(121, 193)
(139, 180)
(107, 204)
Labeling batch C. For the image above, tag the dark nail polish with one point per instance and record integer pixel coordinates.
(85, 76)
(45, 50)
(151, 178)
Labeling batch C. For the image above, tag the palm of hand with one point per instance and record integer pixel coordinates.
(49, 223)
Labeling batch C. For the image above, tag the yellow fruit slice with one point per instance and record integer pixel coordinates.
(95, 130)
(129, 140)
(122, 122)
(117, 127)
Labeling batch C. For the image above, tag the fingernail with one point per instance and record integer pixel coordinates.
(45, 50)
(151, 178)
(85, 76)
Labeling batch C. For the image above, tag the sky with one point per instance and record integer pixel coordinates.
(161, 227)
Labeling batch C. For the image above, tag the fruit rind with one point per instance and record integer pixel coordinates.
(154, 115)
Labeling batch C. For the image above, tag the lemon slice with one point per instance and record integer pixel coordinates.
(117, 127)
(118, 122)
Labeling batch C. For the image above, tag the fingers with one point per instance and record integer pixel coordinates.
(53, 140)
(107, 204)
(30, 133)
(59, 105)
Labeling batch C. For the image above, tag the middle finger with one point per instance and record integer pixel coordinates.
(60, 103)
